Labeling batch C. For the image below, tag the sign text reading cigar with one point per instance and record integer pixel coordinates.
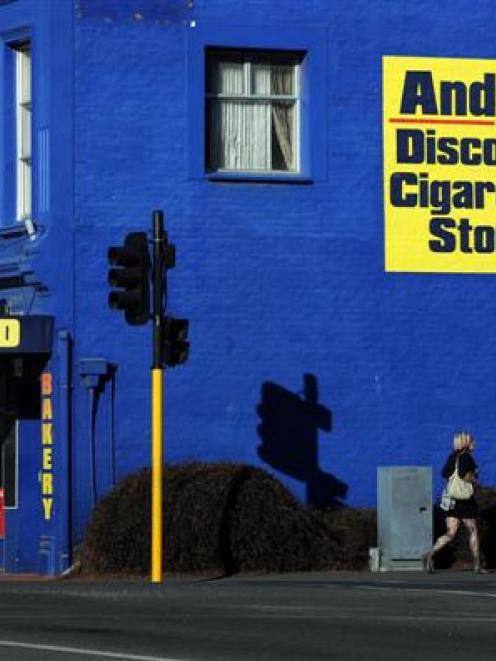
(440, 165)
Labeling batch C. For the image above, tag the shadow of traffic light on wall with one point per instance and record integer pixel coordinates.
(289, 431)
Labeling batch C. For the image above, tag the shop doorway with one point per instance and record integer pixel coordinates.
(19, 401)
(9, 432)
(8, 475)
(10, 410)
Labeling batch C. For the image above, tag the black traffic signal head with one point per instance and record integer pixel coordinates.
(132, 262)
(169, 255)
(176, 345)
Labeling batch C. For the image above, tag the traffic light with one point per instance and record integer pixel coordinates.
(131, 278)
(167, 261)
(176, 345)
(169, 254)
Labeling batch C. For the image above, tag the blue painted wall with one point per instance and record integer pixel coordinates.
(306, 358)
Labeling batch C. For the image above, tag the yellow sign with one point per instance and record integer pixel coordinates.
(10, 333)
(439, 165)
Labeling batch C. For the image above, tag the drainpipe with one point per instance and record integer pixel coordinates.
(65, 501)
(93, 371)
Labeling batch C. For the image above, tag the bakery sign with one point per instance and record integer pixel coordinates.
(439, 126)
(26, 334)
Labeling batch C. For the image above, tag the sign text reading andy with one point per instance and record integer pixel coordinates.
(440, 165)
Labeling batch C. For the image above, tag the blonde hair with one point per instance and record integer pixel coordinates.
(463, 440)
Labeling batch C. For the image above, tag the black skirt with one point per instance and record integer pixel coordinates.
(464, 509)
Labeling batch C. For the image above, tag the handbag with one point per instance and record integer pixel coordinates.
(457, 488)
(447, 503)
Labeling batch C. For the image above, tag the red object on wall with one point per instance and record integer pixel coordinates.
(2, 514)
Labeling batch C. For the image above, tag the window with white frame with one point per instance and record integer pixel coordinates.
(252, 111)
(23, 130)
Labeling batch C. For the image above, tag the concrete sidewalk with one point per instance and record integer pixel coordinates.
(448, 577)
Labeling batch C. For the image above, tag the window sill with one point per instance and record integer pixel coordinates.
(253, 178)
(13, 231)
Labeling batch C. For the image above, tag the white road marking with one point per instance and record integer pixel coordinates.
(354, 616)
(87, 652)
(445, 591)
(465, 593)
(456, 617)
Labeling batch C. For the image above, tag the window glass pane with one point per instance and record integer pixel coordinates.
(24, 72)
(24, 201)
(283, 121)
(282, 80)
(228, 134)
(250, 131)
(228, 78)
(23, 130)
(255, 143)
(232, 128)
(260, 79)
(210, 139)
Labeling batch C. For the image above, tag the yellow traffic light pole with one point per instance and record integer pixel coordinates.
(133, 296)
(157, 461)
(157, 398)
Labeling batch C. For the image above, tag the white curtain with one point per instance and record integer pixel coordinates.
(240, 129)
(241, 132)
(283, 114)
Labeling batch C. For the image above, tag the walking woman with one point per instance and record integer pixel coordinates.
(459, 510)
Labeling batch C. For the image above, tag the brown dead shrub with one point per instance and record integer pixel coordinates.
(221, 517)
(356, 530)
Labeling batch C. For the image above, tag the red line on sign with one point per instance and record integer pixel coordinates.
(477, 122)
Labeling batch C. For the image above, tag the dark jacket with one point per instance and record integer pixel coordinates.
(466, 464)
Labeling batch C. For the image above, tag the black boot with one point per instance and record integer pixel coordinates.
(428, 563)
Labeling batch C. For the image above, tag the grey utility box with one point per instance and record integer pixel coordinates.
(404, 516)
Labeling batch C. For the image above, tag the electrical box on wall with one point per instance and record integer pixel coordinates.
(404, 516)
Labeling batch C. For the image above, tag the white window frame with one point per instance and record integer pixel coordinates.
(23, 119)
(249, 58)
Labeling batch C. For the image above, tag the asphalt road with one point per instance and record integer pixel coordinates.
(450, 615)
